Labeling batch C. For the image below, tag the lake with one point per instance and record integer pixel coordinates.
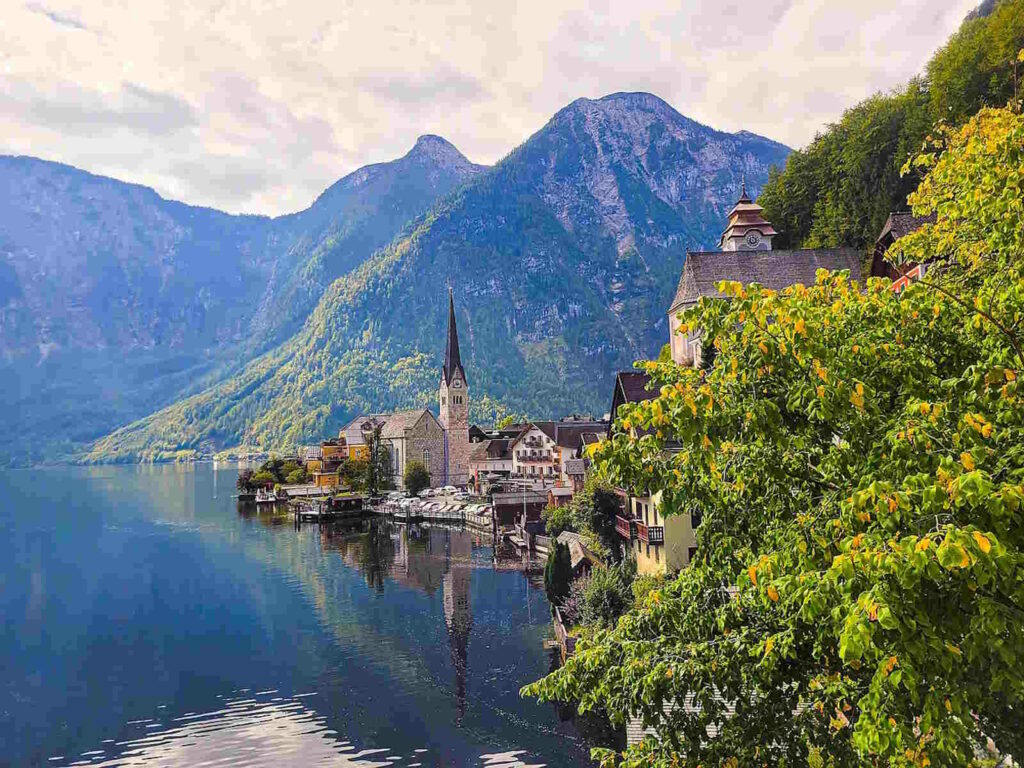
(148, 619)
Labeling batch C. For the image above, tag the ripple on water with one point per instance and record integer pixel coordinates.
(251, 733)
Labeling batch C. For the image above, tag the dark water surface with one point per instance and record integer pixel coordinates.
(147, 620)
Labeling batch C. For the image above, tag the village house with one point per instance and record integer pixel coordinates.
(666, 544)
(544, 449)
(489, 461)
(415, 435)
(896, 227)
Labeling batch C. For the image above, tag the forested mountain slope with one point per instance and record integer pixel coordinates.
(114, 300)
(563, 259)
(841, 188)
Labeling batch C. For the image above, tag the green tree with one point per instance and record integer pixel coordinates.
(509, 419)
(840, 189)
(296, 476)
(594, 509)
(416, 477)
(558, 519)
(608, 594)
(262, 479)
(558, 573)
(858, 456)
(378, 464)
(244, 481)
(354, 472)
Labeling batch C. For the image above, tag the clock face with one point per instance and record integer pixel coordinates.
(753, 238)
(456, 383)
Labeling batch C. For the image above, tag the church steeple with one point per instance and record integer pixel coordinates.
(452, 358)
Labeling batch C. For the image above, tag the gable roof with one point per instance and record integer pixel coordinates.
(401, 421)
(703, 270)
(630, 387)
(489, 450)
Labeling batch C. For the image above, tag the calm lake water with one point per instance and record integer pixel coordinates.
(147, 619)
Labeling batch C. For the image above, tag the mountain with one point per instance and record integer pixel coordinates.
(114, 301)
(563, 258)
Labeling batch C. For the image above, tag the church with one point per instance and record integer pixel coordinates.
(440, 443)
(745, 254)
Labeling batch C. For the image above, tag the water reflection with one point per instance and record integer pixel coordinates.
(148, 618)
(253, 730)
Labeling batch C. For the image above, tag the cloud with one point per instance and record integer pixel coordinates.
(258, 106)
(56, 18)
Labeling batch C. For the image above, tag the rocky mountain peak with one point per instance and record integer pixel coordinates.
(437, 150)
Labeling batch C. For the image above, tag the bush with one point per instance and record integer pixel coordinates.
(262, 478)
(559, 519)
(297, 476)
(608, 594)
(558, 574)
(416, 477)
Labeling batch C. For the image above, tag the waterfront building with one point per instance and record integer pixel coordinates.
(489, 461)
(415, 435)
(545, 450)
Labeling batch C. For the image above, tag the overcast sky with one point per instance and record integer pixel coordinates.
(257, 106)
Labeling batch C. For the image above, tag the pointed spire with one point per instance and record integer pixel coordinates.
(743, 189)
(452, 358)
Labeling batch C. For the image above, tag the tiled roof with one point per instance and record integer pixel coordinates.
(902, 223)
(703, 270)
(568, 435)
(400, 421)
(489, 450)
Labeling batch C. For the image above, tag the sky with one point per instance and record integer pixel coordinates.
(256, 106)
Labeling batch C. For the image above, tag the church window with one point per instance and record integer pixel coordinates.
(426, 458)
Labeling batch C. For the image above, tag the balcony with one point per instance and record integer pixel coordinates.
(652, 534)
(625, 527)
(535, 458)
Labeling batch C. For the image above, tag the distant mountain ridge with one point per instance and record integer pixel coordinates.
(563, 258)
(114, 301)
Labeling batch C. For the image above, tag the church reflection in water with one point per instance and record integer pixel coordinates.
(428, 559)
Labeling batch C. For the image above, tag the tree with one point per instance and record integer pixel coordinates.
(263, 479)
(354, 471)
(858, 456)
(558, 519)
(558, 573)
(840, 189)
(416, 477)
(378, 464)
(593, 512)
(510, 419)
(296, 476)
(244, 481)
(607, 594)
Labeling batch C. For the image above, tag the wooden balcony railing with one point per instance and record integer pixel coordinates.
(652, 534)
(626, 528)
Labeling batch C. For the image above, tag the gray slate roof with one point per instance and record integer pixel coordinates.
(776, 270)
(400, 421)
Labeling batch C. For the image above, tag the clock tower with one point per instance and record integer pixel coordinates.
(747, 230)
(453, 399)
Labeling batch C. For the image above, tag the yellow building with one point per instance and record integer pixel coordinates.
(660, 544)
(326, 479)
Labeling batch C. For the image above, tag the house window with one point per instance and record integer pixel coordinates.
(426, 458)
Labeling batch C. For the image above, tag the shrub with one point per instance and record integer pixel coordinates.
(416, 477)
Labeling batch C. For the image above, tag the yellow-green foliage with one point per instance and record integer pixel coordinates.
(858, 457)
